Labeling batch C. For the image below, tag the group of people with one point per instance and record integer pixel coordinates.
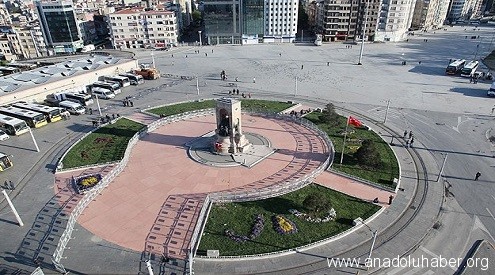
(410, 140)
(104, 119)
(127, 102)
(236, 92)
(300, 113)
(9, 185)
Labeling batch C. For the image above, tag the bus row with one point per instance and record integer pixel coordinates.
(466, 69)
(18, 117)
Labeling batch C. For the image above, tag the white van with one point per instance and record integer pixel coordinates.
(491, 92)
(73, 107)
(102, 93)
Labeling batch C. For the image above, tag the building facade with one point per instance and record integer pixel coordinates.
(281, 21)
(136, 28)
(394, 20)
(429, 14)
(222, 21)
(32, 41)
(464, 10)
(59, 26)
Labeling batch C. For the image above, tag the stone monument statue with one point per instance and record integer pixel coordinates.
(229, 138)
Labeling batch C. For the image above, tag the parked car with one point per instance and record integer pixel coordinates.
(3, 135)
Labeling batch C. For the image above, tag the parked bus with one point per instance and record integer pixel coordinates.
(134, 78)
(470, 69)
(122, 80)
(114, 87)
(13, 126)
(83, 99)
(52, 114)
(5, 162)
(455, 66)
(32, 118)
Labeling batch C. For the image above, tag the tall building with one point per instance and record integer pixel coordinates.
(394, 20)
(250, 21)
(222, 19)
(464, 10)
(280, 20)
(59, 26)
(10, 48)
(429, 14)
(136, 28)
(31, 41)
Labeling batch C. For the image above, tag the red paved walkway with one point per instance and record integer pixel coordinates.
(139, 205)
(354, 188)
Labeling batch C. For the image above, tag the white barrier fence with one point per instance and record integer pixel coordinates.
(216, 197)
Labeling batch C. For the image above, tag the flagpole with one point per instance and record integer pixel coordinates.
(343, 145)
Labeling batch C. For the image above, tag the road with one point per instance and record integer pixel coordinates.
(447, 115)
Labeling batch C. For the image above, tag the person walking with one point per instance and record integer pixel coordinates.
(478, 175)
(302, 67)
(410, 134)
(254, 79)
(405, 133)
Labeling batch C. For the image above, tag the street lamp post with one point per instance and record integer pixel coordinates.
(295, 90)
(374, 233)
(363, 33)
(386, 112)
(443, 166)
(34, 140)
(98, 104)
(197, 84)
(200, 44)
(17, 217)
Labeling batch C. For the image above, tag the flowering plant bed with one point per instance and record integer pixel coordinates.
(331, 215)
(283, 225)
(258, 226)
(85, 183)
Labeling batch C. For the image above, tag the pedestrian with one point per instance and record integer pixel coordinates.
(280, 54)
(90, 111)
(419, 62)
(12, 185)
(124, 103)
(206, 54)
(478, 174)
(376, 200)
(172, 55)
(118, 115)
(302, 67)
(132, 103)
(411, 142)
(230, 92)
(113, 116)
(328, 63)
(6, 185)
(236, 79)
(249, 95)
(233, 91)
(254, 80)
(405, 133)
(471, 79)
(243, 95)
(212, 51)
(94, 123)
(407, 143)
(410, 134)
(390, 199)
(237, 91)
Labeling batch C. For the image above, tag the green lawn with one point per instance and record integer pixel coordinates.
(384, 176)
(239, 217)
(106, 144)
(247, 105)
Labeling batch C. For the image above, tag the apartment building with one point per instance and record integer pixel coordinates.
(394, 20)
(31, 41)
(280, 21)
(464, 10)
(136, 28)
(429, 14)
(10, 48)
(59, 26)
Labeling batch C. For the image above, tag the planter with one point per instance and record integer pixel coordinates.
(87, 182)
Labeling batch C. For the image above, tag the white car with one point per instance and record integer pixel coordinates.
(3, 135)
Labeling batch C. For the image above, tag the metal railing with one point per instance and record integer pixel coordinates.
(261, 193)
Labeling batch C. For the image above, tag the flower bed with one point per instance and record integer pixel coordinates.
(85, 183)
(258, 226)
(332, 214)
(283, 225)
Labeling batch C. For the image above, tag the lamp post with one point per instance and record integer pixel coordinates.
(200, 44)
(374, 233)
(17, 217)
(386, 112)
(443, 166)
(98, 104)
(197, 84)
(295, 90)
(363, 33)
(34, 140)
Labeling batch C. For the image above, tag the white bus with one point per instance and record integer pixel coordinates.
(13, 126)
(122, 80)
(114, 87)
(455, 66)
(52, 114)
(135, 79)
(83, 99)
(470, 69)
(32, 118)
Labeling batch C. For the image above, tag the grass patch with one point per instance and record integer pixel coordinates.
(239, 217)
(106, 144)
(383, 176)
(247, 105)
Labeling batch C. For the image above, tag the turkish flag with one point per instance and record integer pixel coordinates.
(354, 121)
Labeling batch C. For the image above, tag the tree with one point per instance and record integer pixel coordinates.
(329, 115)
(302, 17)
(196, 15)
(317, 202)
(368, 155)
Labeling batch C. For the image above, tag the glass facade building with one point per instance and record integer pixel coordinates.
(222, 21)
(252, 17)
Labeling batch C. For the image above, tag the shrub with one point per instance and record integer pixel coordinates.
(329, 115)
(317, 202)
(368, 155)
